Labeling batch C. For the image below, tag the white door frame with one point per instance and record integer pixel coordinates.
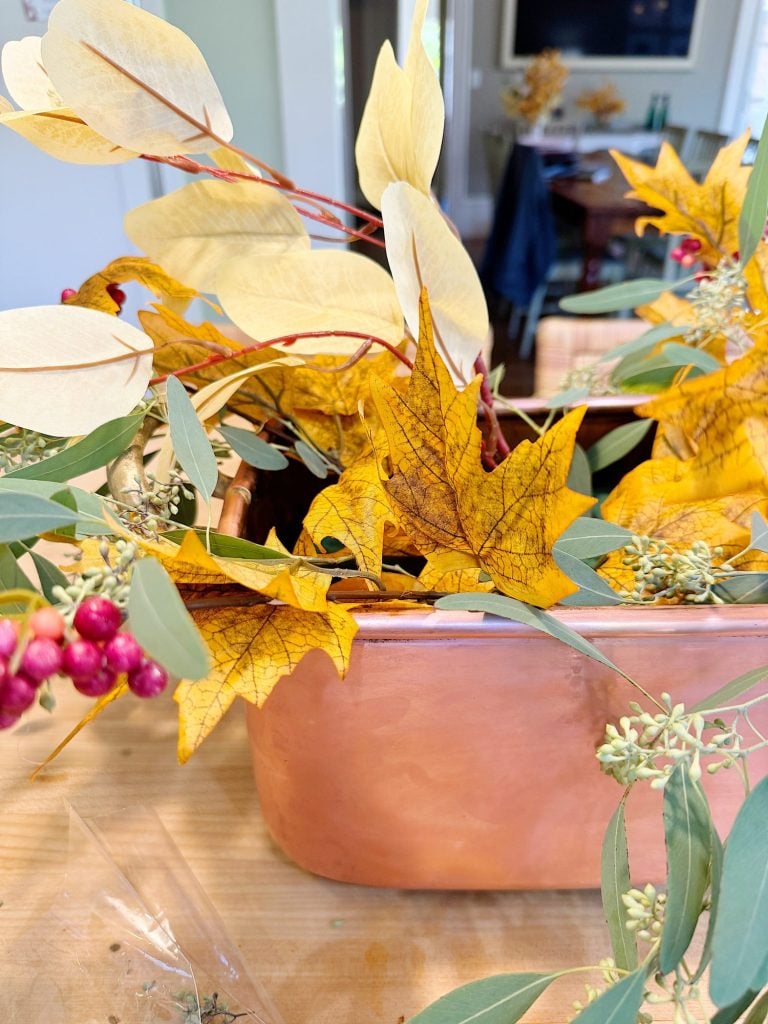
(741, 67)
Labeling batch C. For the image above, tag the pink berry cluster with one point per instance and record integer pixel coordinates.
(92, 655)
(686, 253)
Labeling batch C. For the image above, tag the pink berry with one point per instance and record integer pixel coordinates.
(18, 693)
(47, 622)
(7, 720)
(98, 684)
(67, 294)
(97, 618)
(688, 260)
(148, 680)
(690, 245)
(9, 633)
(81, 659)
(123, 653)
(41, 658)
(677, 254)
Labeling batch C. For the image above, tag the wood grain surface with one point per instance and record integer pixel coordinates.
(326, 953)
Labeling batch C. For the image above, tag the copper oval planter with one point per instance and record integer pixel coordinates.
(459, 752)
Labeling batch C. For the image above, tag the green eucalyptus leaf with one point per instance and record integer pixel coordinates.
(728, 693)
(743, 588)
(311, 459)
(615, 297)
(686, 355)
(26, 515)
(614, 882)
(651, 372)
(509, 608)
(190, 441)
(730, 1014)
(502, 999)
(253, 449)
(688, 838)
(739, 945)
(759, 1012)
(229, 547)
(616, 444)
(643, 343)
(101, 446)
(620, 1004)
(161, 623)
(759, 538)
(589, 538)
(715, 879)
(50, 575)
(755, 206)
(580, 475)
(593, 589)
(12, 578)
(571, 396)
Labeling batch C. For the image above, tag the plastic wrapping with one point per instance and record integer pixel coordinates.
(132, 938)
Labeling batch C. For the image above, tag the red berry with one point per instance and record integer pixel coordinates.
(148, 680)
(9, 633)
(98, 684)
(677, 254)
(7, 720)
(97, 618)
(123, 653)
(690, 245)
(81, 659)
(67, 294)
(47, 622)
(117, 294)
(41, 658)
(17, 694)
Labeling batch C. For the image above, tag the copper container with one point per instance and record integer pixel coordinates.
(459, 751)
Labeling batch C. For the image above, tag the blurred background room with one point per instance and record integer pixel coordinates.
(537, 93)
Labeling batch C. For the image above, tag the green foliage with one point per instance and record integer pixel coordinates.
(26, 515)
(616, 444)
(615, 297)
(755, 207)
(614, 882)
(743, 588)
(590, 538)
(502, 999)
(161, 623)
(593, 589)
(620, 1004)
(312, 459)
(252, 449)
(190, 441)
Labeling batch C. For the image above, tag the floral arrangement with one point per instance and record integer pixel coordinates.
(603, 102)
(541, 89)
(361, 398)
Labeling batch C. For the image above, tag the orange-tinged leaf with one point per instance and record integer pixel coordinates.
(508, 519)
(252, 649)
(708, 211)
(93, 292)
(354, 512)
(93, 712)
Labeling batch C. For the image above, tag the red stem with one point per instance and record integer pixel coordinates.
(286, 339)
(498, 442)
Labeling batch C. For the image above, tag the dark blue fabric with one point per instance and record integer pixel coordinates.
(523, 242)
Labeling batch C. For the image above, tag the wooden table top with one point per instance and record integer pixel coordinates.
(606, 198)
(326, 953)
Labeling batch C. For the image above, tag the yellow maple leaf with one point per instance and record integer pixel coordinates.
(708, 211)
(354, 512)
(93, 292)
(251, 650)
(454, 572)
(510, 518)
(704, 412)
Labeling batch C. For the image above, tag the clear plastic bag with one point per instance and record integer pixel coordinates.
(132, 938)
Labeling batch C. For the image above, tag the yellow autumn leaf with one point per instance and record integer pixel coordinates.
(401, 130)
(701, 414)
(323, 290)
(508, 519)
(354, 512)
(25, 77)
(133, 78)
(195, 230)
(62, 134)
(94, 295)
(228, 160)
(708, 211)
(252, 649)
(454, 572)
(424, 252)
